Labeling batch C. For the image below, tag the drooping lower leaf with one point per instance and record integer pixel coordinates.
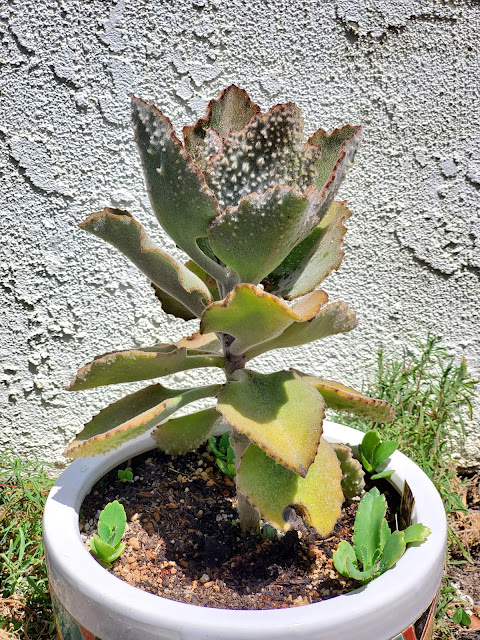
(120, 229)
(201, 343)
(179, 435)
(338, 396)
(313, 259)
(330, 320)
(362, 576)
(141, 364)
(253, 316)
(280, 412)
(270, 487)
(131, 416)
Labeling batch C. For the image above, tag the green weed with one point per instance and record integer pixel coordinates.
(429, 390)
(25, 608)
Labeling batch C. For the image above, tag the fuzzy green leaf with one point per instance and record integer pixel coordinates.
(369, 443)
(392, 551)
(270, 487)
(256, 236)
(131, 416)
(383, 451)
(330, 320)
(368, 527)
(121, 230)
(313, 259)
(231, 111)
(279, 412)
(112, 519)
(179, 435)
(353, 481)
(416, 533)
(269, 151)
(253, 316)
(337, 153)
(141, 364)
(338, 396)
(344, 552)
(180, 198)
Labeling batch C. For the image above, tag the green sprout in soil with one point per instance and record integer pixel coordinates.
(375, 548)
(224, 454)
(107, 545)
(125, 475)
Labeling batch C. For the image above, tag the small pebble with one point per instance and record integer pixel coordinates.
(134, 544)
(205, 578)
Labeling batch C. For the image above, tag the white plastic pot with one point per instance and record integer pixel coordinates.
(91, 603)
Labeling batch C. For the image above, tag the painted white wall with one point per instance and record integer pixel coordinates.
(406, 69)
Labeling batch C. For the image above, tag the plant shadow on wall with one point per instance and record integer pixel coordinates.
(241, 175)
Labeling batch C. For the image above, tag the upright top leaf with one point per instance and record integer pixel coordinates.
(244, 175)
(180, 198)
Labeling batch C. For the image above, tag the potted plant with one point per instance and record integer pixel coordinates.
(250, 201)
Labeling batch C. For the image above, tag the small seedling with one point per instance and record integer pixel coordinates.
(107, 546)
(268, 532)
(375, 548)
(125, 475)
(461, 617)
(223, 452)
(373, 452)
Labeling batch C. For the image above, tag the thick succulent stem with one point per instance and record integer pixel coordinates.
(232, 361)
(248, 515)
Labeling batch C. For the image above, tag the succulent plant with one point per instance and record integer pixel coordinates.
(250, 201)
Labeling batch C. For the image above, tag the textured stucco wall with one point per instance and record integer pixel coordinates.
(406, 69)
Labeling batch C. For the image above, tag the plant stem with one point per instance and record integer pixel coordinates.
(248, 515)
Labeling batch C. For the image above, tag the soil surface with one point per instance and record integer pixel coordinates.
(183, 541)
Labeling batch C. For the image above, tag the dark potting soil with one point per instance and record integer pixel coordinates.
(183, 541)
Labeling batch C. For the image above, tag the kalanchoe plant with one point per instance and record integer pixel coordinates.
(107, 545)
(373, 452)
(250, 201)
(375, 548)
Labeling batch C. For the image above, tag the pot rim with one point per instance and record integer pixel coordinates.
(409, 586)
